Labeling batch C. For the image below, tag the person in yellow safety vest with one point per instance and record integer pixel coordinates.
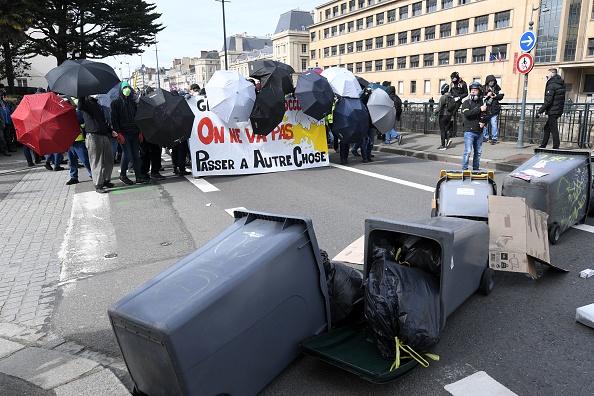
(78, 150)
(328, 121)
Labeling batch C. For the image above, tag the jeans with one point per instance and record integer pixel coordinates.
(393, 133)
(131, 148)
(57, 159)
(114, 145)
(367, 143)
(472, 141)
(78, 151)
(494, 129)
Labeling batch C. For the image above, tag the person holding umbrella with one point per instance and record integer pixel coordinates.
(123, 111)
(98, 142)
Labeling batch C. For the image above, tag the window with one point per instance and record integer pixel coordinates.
(500, 51)
(333, 50)
(21, 82)
(359, 45)
(427, 60)
(390, 40)
(462, 26)
(360, 24)
(341, 49)
(352, 5)
(350, 48)
(445, 4)
(590, 47)
(402, 37)
(368, 44)
(370, 2)
(326, 33)
(333, 29)
(413, 87)
(351, 26)
(350, 67)
(502, 19)
(445, 30)
(479, 54)
(417, 8)
(414, 61)
(379, 42)
(430, 6)
(391, 15)
(427, 88)
(379, 19)
(401, 87)
(341, 29)
(335, 11)
(343, 8)
(369, 21)
(379, 65)
(361, 3)
(326, 52)
(429, 32)
(313, 36)
(312, 54)
(415, 35)
(304, 48)
(328, 13)
(368, 66)
(460, 56)
(358, 67)
(481, 23)
(404, 12)
(303, 64)
(462, 2)
(401, 62)
(390, 64)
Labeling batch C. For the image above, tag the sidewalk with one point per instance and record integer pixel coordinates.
(40, 204)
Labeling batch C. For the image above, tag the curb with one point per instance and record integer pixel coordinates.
(66, 368)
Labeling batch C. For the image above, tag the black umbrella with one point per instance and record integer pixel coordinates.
(314, 94)
(272, 72)
(269, 109)
(362, 82)
(351, 119)
(81, 78)
(164, 119)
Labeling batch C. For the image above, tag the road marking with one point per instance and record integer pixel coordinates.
(584, 227)
(202, 184)
(90, 235)
(231, 210)
(385, 178)
(478, 383)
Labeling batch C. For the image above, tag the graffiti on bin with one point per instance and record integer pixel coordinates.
(574, 188)
(556, 158)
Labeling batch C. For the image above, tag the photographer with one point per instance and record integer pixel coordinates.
(492, 97)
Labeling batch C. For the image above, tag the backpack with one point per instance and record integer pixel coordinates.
(451, 105)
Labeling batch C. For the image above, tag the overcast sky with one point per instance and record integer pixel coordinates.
(197, 25)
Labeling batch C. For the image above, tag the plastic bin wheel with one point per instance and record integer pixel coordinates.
(554, 232)
(433, 212)
(487, 281)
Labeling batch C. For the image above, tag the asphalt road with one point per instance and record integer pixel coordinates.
(523, 335)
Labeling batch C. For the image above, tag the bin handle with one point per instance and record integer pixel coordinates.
(412, 353)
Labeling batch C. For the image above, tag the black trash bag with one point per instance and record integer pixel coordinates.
(402, 302)
(345, 292)
(420, 253)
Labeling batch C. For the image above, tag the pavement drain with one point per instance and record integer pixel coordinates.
(111, 255)
(165, 243)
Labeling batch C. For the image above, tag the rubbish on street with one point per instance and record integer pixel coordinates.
(585, 315)
(587, 273)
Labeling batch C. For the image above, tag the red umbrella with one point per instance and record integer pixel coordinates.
(46, 123)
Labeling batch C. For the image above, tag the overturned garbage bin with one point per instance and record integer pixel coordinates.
(557, 182)
(463, 193)
(463, 246)
(229, 317)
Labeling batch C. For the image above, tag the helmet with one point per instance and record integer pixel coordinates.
(445, 88)
(455, 75)
(475, 85)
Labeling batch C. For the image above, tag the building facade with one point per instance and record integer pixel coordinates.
(417, 44)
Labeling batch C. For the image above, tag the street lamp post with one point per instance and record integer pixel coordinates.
(158, 75)
(224, 33)
(520, 142)
(129, 74)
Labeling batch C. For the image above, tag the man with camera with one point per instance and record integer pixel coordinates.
(492, 97)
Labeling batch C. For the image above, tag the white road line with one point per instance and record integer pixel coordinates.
(231, 210)
(478, 383)
(202, 184)
(584, 227)
(386, 178)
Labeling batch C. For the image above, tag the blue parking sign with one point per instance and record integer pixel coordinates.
(527, 41)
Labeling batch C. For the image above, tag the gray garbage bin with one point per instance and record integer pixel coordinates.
(229, 317)
(557, 182)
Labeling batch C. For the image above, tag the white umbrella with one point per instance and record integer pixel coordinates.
(343, 82)
(381, 110)
(230, 96)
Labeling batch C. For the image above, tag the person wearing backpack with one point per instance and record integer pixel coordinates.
(398, 106)
(493, 95)
(445, 109)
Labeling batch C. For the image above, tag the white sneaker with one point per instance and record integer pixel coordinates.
(441, 148)
(448, 142)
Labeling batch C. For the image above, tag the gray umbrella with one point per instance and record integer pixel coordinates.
(381, 110)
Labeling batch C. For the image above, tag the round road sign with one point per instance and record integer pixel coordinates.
(525, 63)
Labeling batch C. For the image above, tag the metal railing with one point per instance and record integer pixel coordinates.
(576, 125)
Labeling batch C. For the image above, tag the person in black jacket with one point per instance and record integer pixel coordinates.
(554, 102)
(492, 97)
(474, 112)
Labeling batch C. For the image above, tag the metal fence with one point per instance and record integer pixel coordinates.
(575, 125)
